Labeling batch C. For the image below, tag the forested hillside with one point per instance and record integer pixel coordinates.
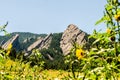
(22, 36)
(26, 39)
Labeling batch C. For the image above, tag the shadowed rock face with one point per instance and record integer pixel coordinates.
(72, 33)
(41, 43)
(14, 41)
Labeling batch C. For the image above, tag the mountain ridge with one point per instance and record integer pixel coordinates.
(58, 43)
(23, 35)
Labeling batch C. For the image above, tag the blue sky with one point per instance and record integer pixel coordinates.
(46, 16)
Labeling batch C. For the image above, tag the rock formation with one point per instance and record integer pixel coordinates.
(41, 43)
(72, 33)
(25, 41)
(14, 41)
(46, 42)
(2, 42)
(35, 45)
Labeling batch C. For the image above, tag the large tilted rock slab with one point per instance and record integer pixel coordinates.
(35, 44)
(41, 43)
(46, 42)
(14, 41)
(72, 33)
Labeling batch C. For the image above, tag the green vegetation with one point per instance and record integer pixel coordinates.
(100, 62)
(55, 52)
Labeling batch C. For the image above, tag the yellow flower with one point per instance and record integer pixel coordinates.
(9, 49)
(108, 31)
(8, 52)
(117, 17)
(79, 53)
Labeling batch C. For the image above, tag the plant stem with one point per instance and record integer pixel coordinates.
(115, 46)
(84, 76)
(118, 31)
(73, 73)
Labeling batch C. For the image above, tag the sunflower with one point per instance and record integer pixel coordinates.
(112, 38)
(79, 53)
(117, 17)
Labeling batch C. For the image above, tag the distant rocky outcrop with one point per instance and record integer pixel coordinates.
(46, 42)
(29, 39)
(35, 44)
(41, 43)
(72, 33)
(14, 41)
(25, 41)
(2, 42)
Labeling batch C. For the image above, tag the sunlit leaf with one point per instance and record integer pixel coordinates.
(9, 77)
(109, 7)
(100, 21)
(96, 41)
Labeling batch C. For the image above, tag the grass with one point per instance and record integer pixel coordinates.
(59, 75)
(54, 74)
(10, 69)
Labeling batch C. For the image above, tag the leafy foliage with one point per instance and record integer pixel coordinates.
(101, 61)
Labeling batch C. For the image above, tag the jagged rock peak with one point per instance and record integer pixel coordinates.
(72, 26)
(72, 33)
(14, 41)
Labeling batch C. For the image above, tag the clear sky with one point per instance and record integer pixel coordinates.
(46, 16)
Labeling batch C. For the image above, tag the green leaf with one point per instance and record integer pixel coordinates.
(8, 76)
(109, 7)
(100, 21)
(96, 41)
(104, 18)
